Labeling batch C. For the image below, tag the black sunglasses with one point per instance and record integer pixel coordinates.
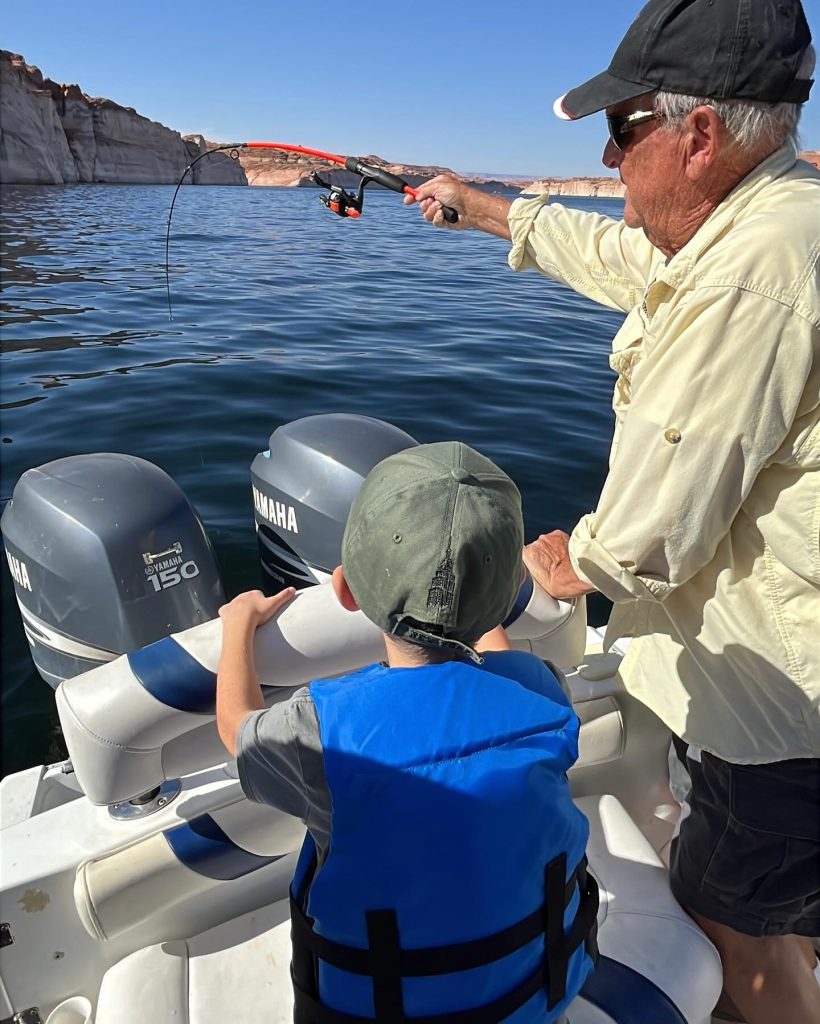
(620, 125)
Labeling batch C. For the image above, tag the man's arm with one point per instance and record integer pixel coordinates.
(475, 209)
(595, 255)
(238, 692)
(718, 401)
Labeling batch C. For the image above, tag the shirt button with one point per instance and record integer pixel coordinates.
(672, 435)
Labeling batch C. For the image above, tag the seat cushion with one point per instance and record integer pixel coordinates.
(237, 971)
(640, 924)
(240, 970)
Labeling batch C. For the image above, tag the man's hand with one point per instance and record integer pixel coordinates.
(437, 193)
(547, 559)
(476, 209)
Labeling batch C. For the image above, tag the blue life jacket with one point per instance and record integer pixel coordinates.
(454, 890)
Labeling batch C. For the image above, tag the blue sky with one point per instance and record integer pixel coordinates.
(469, 85)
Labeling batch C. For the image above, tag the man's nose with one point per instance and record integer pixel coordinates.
(612, 156)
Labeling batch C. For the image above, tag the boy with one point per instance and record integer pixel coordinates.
(443, 876)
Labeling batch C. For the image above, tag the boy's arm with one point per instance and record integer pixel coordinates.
(494, 640)
(238, 692)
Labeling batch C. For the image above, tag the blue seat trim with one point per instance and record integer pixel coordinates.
(175, 677)
(521, 601)
(629, 997)
(202, 846)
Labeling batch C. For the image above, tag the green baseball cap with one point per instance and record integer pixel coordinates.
(432, 547)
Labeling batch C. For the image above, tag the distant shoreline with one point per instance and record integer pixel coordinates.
(56, 134)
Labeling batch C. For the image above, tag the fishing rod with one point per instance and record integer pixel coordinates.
(338, 199)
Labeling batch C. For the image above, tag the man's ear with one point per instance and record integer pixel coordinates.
(342, 590)
(705, 139)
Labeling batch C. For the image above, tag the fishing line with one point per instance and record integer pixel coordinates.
(338, 199)
(234, 156)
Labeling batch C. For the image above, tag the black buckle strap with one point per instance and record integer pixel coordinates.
(308, 1010)
(385, 949)
(387, 963)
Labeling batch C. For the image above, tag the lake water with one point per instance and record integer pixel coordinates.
(281, 310)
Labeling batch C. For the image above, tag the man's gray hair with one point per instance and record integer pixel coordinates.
(753, 125)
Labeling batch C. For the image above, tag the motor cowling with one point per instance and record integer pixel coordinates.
(303, 487)
(107, 556)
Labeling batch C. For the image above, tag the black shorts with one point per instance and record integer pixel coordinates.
(748, 854)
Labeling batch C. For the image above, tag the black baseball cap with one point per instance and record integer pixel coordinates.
(720, 49)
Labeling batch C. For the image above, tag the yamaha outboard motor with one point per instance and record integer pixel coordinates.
(303, 487)
(107, 556)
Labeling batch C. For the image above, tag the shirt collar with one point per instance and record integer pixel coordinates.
(723, 216)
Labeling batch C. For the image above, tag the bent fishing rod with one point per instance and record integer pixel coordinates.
(338, 199)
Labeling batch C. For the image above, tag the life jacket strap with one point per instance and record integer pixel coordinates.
(387, 963)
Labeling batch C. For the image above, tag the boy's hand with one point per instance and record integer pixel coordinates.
(251, 609)
(237, 688)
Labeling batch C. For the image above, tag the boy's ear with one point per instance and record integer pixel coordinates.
(342, 590)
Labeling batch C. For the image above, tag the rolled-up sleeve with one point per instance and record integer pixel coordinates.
(715, 399)
(596, 256)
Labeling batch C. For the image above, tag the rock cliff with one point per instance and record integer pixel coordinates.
(604, 187)
(611, 188)
(271, 167)
(52, 134)
(275, 167)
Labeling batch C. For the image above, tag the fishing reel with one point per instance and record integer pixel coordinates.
(339, 200)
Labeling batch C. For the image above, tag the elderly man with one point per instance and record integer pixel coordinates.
(706, 533)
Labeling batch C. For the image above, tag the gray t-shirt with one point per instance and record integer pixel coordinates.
(280, 763)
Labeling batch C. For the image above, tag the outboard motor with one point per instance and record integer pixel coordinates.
(107, 556)
(303, 487)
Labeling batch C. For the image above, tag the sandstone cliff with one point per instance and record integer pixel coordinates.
(51, 134)
(278, 167)
(54, 134)
(611, 188)
(272, 167)
(605, 187)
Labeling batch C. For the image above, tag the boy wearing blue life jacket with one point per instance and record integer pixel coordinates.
(443, 877)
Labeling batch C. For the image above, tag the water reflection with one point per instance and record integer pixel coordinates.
(24, 315)
(60, 342)
(60, 380)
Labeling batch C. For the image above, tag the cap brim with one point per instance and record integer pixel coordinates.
(600, 92)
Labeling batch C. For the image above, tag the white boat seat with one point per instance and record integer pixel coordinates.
(235, 973)
(642, 927)
(242, 843)
(666, 971)
(149, 715)
(128, 724)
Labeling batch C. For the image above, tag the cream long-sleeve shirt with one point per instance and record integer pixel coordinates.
(707, 532)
